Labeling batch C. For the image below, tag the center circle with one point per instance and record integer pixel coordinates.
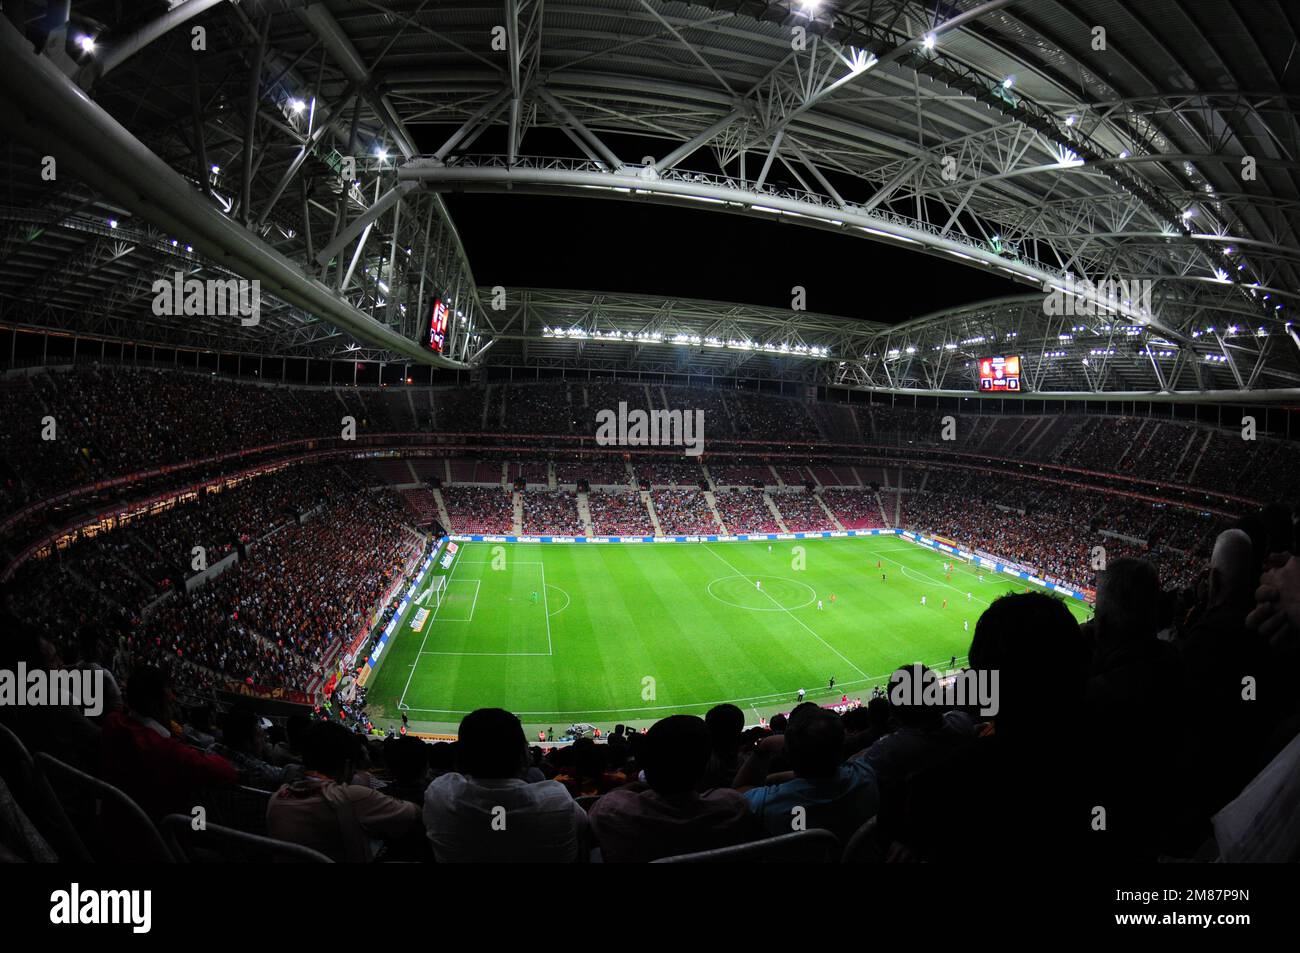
(777, 595)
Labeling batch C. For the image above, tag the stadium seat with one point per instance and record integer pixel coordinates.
(219, 844)
(801, 847)
(111, 825)
(16, 767)
(862, 847)
(38, 802)
(242, 808)
(19, 837)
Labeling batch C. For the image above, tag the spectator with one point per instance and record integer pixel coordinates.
(63, 731)
(1019, 790)
(725, 724)
(1136, 701)
(328, 812)
(289, 751)
(243, 744)
(919, 733)
(407, 759)
(486, 811)
(667, 816)
(839, 796)
(140, 755)
(1222, 656)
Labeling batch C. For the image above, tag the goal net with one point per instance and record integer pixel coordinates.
(431, 598)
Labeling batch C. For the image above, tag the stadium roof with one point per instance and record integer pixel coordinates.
(1061, 143)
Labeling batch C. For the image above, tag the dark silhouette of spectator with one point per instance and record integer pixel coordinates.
(243, 744)
(1136, 702)
(143, 758)
(327, 811)
(1221, 654)
(289, 751)
(61, 730)
(919, 736)
(487, 812)
(666, 815)
(1021, 782)
(821, 790)
(725, 724)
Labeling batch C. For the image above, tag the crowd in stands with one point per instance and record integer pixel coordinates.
(619, 514)
(683, 512)
(269, 620)
(122, 571)
(1053, 530)
(1139, 709)
(552, 512)
(531, 408)
(745, 511)
(69, 427)
(800, 511)
(478, 509)
(458, 409)
(597, 471)
(717, 419)
(764, 417)
(668, 472)
(272, 620)
(855, 509)
(741, 474)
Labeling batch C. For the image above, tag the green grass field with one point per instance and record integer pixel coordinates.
(631, 633)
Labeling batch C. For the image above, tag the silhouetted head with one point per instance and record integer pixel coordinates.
(725, 723)
(491, 744)
(814, 742)
(407, 758)
(674, 754)
(1233, 578)
(147, 693)
(239, 729)
(1128, 602)
(331, 750)
(1034, 644)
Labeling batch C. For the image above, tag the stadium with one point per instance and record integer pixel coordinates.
(687, 432)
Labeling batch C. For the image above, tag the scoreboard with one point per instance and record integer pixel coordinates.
(437, 335)
(999, 375)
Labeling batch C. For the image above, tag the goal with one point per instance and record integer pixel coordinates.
(431, 598)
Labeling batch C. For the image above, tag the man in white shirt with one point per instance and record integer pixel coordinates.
(485, 812)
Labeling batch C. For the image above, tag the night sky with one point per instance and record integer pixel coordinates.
(623, 245)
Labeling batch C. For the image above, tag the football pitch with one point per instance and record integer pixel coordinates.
(630, 633)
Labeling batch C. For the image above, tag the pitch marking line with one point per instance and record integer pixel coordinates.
(567, 600)
(766, 699)
(812, 595)
(428, 629)
(492, 654)
(546, 609)
(478, 584)
(907, 569)
(793, 616)
(488, 562)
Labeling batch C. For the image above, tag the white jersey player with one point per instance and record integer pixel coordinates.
(819, 603)
(758, 584)
(923, 600)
